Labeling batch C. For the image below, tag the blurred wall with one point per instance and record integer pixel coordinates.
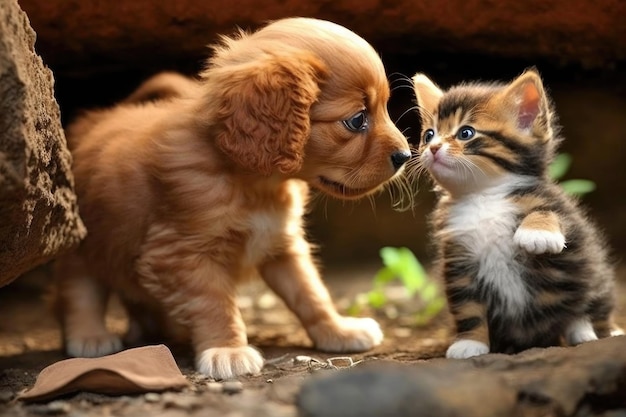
(99, 51)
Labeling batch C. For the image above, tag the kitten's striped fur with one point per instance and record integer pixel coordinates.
(523, 266)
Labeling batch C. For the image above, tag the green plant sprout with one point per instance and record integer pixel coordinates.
(400, 264)
(557, 170)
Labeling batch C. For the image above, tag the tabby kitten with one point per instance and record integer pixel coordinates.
(523, 266)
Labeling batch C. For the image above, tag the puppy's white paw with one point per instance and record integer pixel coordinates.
(93, 346)
(539, 241)
(466, 348)
(617, 332)
(229, 362)
(580, 331)
(347, 334)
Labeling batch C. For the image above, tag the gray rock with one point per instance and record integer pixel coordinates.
(539, 382)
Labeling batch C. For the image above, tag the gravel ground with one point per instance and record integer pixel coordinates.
(30, 341)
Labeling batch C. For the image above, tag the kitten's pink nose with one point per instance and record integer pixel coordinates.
(435, 147)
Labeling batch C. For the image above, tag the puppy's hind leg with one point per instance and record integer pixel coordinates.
(295, 278)
(81, 302)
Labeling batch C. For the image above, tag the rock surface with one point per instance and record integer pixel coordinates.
(587, 380)
(91, 34)
(38, 209)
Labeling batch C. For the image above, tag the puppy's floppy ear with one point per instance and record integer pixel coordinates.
(263, 108)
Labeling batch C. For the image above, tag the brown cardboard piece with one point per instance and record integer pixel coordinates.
(133, 371)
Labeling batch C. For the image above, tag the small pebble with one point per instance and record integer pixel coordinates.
(183, 402)
(267, 301)
(152, 397)
(402, 332)
(215, 387)
(302, 360)
(58, 407)
(232, 387)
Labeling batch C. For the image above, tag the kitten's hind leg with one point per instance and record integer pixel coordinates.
(466, 348)
(605, 327)
(601, 312)
(81, 305)
(472, 331)
(616, 330)
(580, 331)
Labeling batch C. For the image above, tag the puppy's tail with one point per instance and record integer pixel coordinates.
(163, 86)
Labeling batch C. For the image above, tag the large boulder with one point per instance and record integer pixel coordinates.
(38, 211)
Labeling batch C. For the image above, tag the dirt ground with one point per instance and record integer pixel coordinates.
(30, 341)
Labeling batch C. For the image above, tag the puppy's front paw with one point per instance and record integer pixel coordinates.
(466, 348)
(229, 362)
(347, 334)
(539, 241)
(93, 345)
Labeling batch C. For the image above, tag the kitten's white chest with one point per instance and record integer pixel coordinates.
(485, 225)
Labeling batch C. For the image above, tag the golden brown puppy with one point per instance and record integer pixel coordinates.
(189, 188)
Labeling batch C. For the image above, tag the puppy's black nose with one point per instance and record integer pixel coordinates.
(399, 158)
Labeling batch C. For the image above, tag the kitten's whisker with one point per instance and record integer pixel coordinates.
(426, 112)
(401, 77)
(410, 109)
(397, 87)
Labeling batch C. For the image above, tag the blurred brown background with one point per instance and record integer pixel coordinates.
(100, 50)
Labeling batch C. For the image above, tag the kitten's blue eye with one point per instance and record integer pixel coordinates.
(465, 133)
(357, 123)
(429, 135)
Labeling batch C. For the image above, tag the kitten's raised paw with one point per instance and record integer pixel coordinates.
(539, 241)
(348, 334)
(93, 346)
(229, 362)
(466, 348)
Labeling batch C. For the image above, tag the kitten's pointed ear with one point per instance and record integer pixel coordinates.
(527, 95)
(427, 94)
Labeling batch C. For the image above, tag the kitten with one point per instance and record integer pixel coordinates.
(523, 266)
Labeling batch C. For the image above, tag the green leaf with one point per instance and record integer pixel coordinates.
(390, 256)
(406, 268)
(430, 292)
(578, 187)
(559, 166)
(383, 276)
(376, 298)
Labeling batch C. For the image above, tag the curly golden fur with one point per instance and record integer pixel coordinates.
(191, 186)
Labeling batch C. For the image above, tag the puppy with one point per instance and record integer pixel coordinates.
(190, 187)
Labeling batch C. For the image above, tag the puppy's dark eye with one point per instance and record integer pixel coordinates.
(429, 135)
(465, 133)
(357, 123)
